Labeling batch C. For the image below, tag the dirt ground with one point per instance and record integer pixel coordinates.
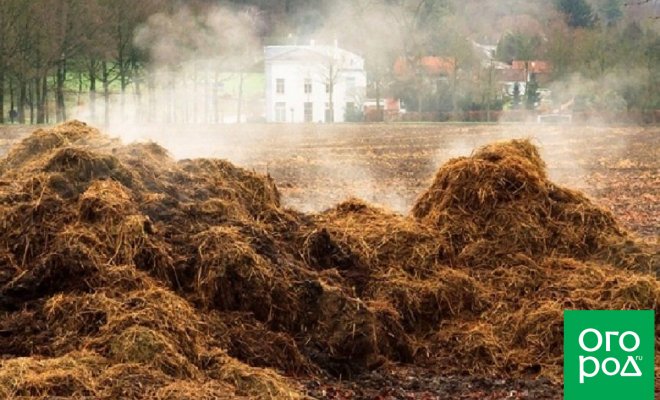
(317, 166)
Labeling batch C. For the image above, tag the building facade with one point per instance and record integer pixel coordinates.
(313, 84)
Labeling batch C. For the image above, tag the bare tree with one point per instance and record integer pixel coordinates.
(68, 29)
(8, 45)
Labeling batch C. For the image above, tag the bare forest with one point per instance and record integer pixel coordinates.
(148, 60)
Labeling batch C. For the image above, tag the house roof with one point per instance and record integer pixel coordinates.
(535, 66)
(510, 75)
(313, 54)
(432, 65)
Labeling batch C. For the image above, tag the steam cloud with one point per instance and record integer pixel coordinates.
(194, 58)
(185, 92)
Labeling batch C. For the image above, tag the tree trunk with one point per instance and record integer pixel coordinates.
(193, 104)
(216, 102)
(45, 94)
(454, 97)
(41, 99)
(152, 106)
(171, 96)
(122, 96)
(59, 91)
(31, 94)
(331, 104)
(490, 90)
(207, 95)
(240, 98)
(331, 89)
(526, 75)
(139, 115)
(123, 80)
(12, 103)
(2, 95)
(80, 89)
(92, 96)
(379, 111)
(37, 96)
(22, 99)
(106, 92)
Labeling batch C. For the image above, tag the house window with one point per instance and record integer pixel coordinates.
(280, 112)
(308, 86)
(279, 86)
(309, 113)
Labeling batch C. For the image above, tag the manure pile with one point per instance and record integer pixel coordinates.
(126, 274)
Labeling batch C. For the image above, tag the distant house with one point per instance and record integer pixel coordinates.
(419, 78)
(509, 77)
(534, 66)
(520, 72)
(432, 66)
(313, 84)
(389, 107)
(541, 70)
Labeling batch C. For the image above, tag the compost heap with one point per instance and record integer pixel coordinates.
(126, 274)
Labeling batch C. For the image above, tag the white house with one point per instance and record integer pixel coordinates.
(313, 83)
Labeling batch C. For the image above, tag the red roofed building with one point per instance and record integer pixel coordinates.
(430, 65)
(535, 66)
(521, 72)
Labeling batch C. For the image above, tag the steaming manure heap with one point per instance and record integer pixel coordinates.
(126, 274)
